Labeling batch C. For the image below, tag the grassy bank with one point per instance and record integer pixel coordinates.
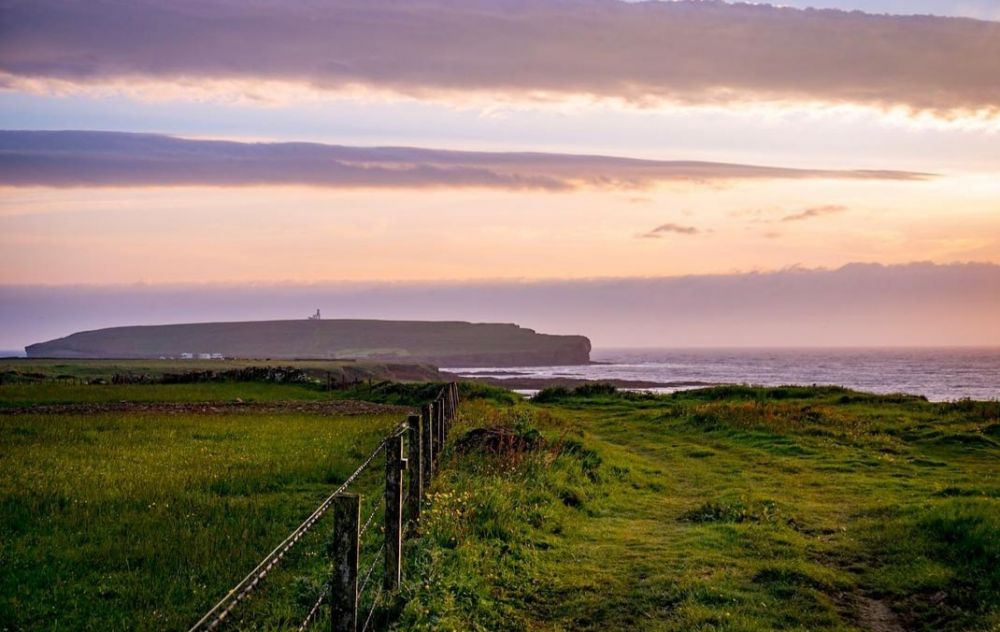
(723, 509)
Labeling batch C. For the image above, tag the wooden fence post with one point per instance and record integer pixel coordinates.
(427, 461)
(344, 583)
(394, 466)
(438, 443)
(415, 467)
(446, 413)
(451, 405)
(451, 400)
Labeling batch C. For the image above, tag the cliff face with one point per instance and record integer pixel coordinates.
(438, 343)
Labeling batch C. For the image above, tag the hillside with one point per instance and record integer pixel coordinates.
(438, 343)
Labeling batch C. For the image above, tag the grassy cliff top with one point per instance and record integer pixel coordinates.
(418, 341)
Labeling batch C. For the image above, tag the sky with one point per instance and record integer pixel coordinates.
(148, 146)
(977, 9)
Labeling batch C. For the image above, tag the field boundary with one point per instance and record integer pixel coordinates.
(406, 481)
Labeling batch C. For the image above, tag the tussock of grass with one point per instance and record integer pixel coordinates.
(759, 511)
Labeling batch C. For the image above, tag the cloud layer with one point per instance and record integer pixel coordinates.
(859, 304)
(98, 159)
(689, 52)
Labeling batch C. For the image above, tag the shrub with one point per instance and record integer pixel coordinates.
(478, 390)
(559, 393)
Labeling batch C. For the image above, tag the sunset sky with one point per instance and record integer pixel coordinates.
(524, 141)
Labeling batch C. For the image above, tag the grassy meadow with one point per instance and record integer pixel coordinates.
(730, 509)
(142, 520)
(725, 509)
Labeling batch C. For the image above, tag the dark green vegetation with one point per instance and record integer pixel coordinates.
(65, 382)
(722, 509)
(40, 381)
(21, 370)
(439, 343)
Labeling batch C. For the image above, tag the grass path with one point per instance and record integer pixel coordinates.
(801, 514)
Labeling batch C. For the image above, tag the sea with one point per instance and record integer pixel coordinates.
(938, 374)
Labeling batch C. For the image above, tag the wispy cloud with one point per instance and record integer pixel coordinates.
(816, 211)
(682, 52)
(98, 159)
(676, 229)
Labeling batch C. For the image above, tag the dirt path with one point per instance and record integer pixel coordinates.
(876, 616)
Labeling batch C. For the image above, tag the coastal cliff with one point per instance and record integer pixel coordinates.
(439, 343)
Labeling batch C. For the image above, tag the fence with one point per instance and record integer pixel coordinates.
(411, 449)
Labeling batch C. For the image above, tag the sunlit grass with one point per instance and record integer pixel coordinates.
(749, 509)
(723, 509)
(138, 521)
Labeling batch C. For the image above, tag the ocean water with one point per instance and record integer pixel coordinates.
(938, 374)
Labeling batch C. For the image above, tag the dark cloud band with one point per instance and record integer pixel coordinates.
(104, 159)
(695, 52)
(860, 304)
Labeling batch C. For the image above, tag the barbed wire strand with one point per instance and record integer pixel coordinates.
(368, 522)
(371, 569)
(225, 606)
(316, 606)
(371, 612)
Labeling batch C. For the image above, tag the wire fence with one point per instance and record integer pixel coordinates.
(373, 546)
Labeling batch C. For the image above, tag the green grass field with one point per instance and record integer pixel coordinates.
(139, 521)
(724, 509)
